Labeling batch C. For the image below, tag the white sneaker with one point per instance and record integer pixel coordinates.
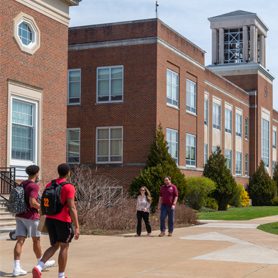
(48, 264)
(19, 272)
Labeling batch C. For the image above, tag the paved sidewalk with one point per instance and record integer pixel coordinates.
(216, 249)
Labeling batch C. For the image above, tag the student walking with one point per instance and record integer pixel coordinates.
(143, 210)
(59, 224)
(167, 202)
(27, 222)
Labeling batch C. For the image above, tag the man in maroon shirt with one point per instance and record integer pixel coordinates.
(167, 202)
(28, 221)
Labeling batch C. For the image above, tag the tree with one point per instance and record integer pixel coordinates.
(159, 165)
(275, 175)
(261, 188)
(216, 170)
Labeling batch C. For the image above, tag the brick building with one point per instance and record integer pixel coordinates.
(33, 84)
(127, 78)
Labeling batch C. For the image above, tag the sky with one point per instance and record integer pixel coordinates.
(189, 18)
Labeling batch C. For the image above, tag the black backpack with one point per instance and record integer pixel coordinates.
(17, 203)
(51, 198)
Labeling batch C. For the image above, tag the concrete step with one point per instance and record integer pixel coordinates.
(7, 223)
(6, 229)
(6, 217)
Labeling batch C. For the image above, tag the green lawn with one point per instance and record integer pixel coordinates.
(239, 213)
(269, 228)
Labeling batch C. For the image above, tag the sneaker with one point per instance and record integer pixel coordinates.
(48, 264)
(36, 273)
(170, 234)
(149, 234)
(19, 272)
(161, 234)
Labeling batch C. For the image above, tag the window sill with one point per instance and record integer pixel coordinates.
(109, 102)
(191, 113)
(173, 106)
(74, 104)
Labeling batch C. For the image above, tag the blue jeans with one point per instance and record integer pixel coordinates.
(166, 210)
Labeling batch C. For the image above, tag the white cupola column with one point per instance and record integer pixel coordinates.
(214, 46)
(221, 46)
(253, 44)
(245, 44)
(262, 49)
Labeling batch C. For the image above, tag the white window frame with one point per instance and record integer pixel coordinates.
(110, 68)
(79, 136)
(230, 158)
(109, 147)
(265, 149)
(79, 102)
(216, 122)
(246, 128)
(206, 153)
(238, 122)
(170, 132)
(206, 109)
(238, 156)
(19, 162)
(191, 96)
(177, 88)
(191, 165)
(246, 164)
(228, 121)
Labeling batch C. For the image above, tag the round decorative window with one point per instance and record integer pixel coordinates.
(26, 33)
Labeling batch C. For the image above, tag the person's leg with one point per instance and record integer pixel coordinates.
(18, 247)
(37, 247)
(163, 214)
(147, 222)
(63, 257)
(139, 222)
(171, 213)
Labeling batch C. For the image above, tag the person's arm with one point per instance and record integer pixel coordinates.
(175, 199)
(34, 203)
(74, 217)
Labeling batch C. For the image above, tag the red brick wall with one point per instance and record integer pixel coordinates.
(46, 69)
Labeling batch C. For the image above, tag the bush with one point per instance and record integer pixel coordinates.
(236, 199)
(216, 170)
(262, 188)
(274, 201)
(159, 165)
(211, 204)
(197, 191)
(275, 175)
(245, 200)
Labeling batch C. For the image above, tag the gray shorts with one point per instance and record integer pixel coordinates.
(27, 227)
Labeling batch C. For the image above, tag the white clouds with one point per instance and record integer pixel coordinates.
(187, 17)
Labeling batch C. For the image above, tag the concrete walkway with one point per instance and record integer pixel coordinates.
(215, 249)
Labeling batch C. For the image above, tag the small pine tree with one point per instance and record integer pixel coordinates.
(216, 170)
(261, 188)
(159, 165)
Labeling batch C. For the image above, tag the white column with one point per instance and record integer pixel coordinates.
(214, 46)
(253, 44)
(245, 44)
(221, 46)
(262, 50)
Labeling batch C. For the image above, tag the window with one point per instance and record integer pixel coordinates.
(274, 138)
(109, 144)
(233, 46)
(216, 115)
(110, 84)
(206, 154)
(228, 120)
(206, 110)
(214, 149)
(74, 86)
(246, 128)
(190, 150)
(238, 163)
(238, 124)
(172, 138)
(229, 159)
(73, 145)
(246, 165)
(26, 33)
(191, 96)
(265, 142)
(23, 130)
(172, 88)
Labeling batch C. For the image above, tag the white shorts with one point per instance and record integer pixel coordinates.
(27, 227)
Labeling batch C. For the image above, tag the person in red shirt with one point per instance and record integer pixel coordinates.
(167, 203)
(28, 221)
(59, 226)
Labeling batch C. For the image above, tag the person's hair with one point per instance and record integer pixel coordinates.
(32, 170)
(167, 177)
(63, 170)
(147, 193)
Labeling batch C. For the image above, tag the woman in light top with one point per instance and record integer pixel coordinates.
(144, 200)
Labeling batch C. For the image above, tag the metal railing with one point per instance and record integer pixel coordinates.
(7, 180)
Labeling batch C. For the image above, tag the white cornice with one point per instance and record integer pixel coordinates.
(226, 93)
(47, 10)
(130, 42)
